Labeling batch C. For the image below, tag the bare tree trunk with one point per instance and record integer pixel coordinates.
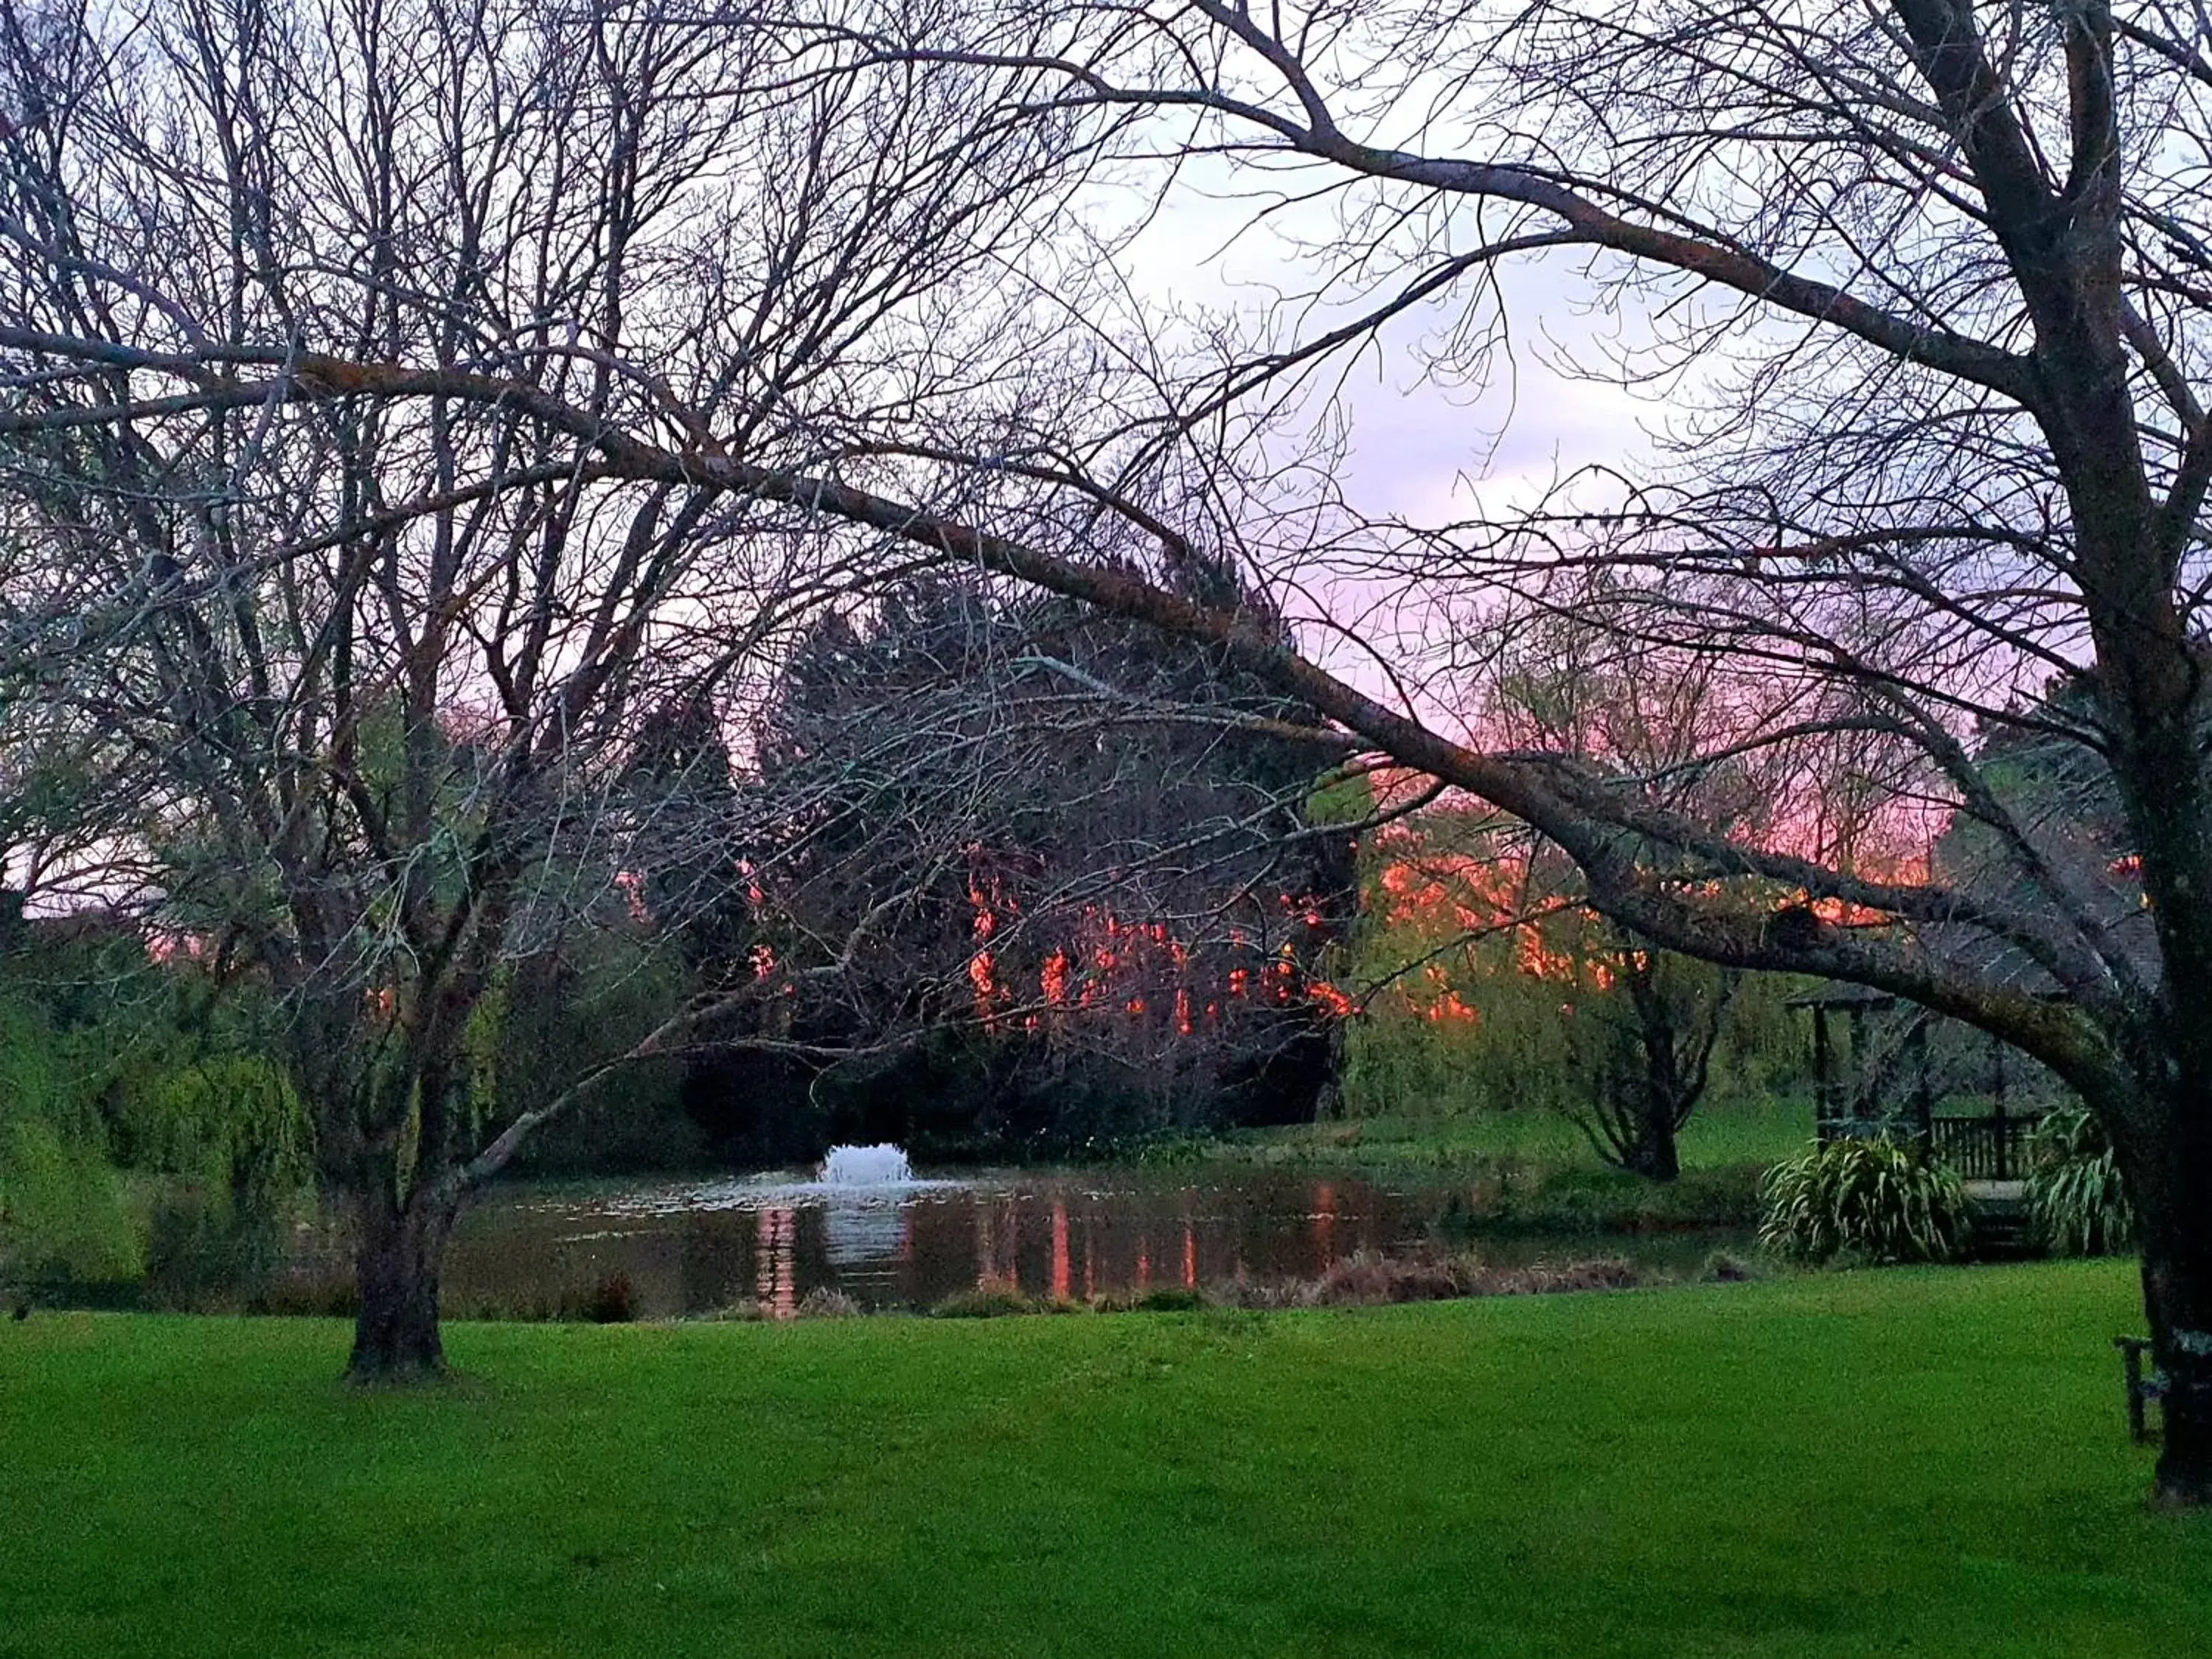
(396, 1337)
(2175, 1229)
(1663, 1070)
(1655, 1155)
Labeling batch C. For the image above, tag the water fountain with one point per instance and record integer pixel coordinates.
(865, 1189)
(881, 1165)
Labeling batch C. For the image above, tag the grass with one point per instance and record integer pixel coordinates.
(1537, 1172)
(1722, 1135)
(1926, 1461)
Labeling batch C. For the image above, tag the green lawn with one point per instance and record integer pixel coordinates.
(1718, 1136)
(1930, 1462)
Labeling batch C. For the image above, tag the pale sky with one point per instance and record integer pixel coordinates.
(1418, 450)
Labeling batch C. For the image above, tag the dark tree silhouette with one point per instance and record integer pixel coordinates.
(1079, 860)
(1654, 1057)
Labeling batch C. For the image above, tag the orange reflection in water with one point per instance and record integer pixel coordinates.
(1061, 1277)
(776, 1260)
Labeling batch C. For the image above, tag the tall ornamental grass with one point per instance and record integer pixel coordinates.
(1871, 1200)
(2075, 1202)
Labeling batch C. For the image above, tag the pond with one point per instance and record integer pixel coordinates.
(695, 1248)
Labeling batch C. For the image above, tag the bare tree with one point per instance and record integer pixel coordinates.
(1926, 284)
(375, 654)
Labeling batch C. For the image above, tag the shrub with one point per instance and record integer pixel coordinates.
(203, 1251)
(1874, 1200)
(992, 1299)
(1173, 1298)
(823, 1303)
(1552, 1278)
(1364, 1280)
(1726, 1267)
(2075, 1202)
(750, 1311)
(62, 1210)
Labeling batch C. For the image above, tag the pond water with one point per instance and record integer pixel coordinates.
(698, 1246)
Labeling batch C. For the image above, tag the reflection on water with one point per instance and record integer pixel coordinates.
(856, 1234)
(776, 1257)
(697, 1248)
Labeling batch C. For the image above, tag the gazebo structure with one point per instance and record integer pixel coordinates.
(1863, 1085)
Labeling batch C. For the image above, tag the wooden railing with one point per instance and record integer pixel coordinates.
(1979, 1147)
(1983, 1148)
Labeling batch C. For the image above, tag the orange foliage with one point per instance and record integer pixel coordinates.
(1052, 979)
(1136, 967)
(1449, 1007)
(1329, 997)
(1842, 913)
